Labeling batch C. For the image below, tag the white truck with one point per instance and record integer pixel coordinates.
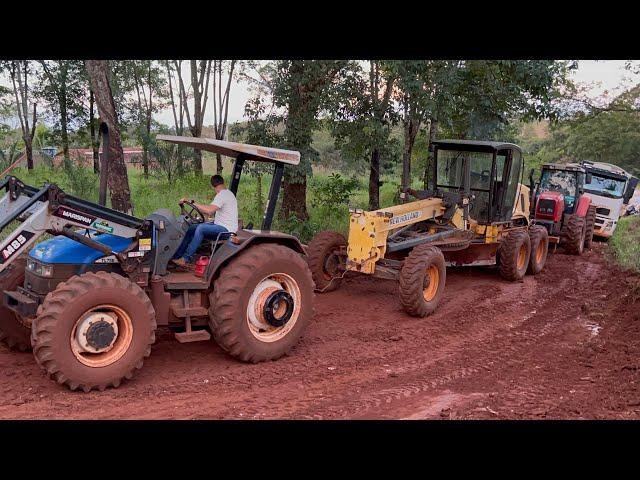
(610, 188)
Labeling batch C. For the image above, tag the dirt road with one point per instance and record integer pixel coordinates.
(564, 344)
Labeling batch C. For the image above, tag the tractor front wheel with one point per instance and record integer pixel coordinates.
(13, 332)
(422, 280)
(539, 239)
(324, 259)
(590, 221)
(514, 253)
(93, 331)
(574, 235)
(261, 303)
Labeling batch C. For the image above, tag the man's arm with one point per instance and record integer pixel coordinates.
(206, 209)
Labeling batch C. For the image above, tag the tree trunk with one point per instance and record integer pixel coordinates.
(63, 126)
(95, 141)
(374, 180)
(28, 147)
(117, 178)
(411, 127)
(218, 164)
(433, 132)
(294, 200)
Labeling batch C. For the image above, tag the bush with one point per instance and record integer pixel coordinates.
(625, 243)
(333, 191)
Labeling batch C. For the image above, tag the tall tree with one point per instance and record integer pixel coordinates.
(301, 87)
(199, 90)
(363, 115)
(117, 178)
(20, 71)
(62, 87)
(149, 85)
(221, 69)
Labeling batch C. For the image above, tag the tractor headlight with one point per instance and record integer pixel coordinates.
(39, 269)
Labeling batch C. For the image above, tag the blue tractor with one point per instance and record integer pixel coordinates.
(88, 301)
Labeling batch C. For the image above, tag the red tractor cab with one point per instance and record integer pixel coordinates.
(559, 204)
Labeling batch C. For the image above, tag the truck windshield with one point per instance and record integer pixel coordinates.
(559, 181)
(607, 187)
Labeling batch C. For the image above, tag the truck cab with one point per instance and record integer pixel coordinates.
(610, 190)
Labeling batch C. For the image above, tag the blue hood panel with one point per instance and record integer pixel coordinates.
(64, 250)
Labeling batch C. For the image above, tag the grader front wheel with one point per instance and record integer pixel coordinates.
(539, 239)
(324, 259)
(261, 303)
(514, 255)
(422, 280)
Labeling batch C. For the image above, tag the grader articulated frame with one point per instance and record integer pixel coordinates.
(475, 214)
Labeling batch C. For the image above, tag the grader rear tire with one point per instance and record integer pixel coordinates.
(590, 221)
(323, 260)
(246, 319)
(574, 235)
(514, 253)
(13, 332)
(539, 238)
(100, 310)
(422, 280)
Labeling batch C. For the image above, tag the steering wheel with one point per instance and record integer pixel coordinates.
(192, 215)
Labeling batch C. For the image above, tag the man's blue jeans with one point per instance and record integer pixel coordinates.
(194, 237)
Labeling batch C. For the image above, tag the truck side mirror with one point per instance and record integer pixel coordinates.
(587, 179)
(631, 187)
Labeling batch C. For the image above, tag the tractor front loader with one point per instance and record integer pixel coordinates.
(89, 300)
(476, 213)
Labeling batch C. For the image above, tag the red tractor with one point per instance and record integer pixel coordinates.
(560, 205)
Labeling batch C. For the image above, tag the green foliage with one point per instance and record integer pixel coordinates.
(625, 243)
(333, 191)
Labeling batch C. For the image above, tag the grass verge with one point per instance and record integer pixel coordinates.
(625, 243)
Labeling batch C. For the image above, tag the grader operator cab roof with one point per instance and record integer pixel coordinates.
(233, 149)
(475, 145)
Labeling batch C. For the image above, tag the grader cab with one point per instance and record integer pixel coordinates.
(476, 213)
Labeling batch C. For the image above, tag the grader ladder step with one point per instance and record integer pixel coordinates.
(193, 336)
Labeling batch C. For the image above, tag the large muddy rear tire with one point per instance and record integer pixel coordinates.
(574, 235)
(324, 260)
(514, 253)
(99, 310)
(13, 332)
(590, 221)
(539, 239)
(261, 303)
(422, 280)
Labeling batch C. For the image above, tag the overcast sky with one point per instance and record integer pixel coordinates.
(602, 75)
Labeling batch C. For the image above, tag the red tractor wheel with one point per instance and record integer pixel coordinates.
(573, 236)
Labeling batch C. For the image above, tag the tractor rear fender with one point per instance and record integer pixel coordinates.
(249, 238)
(583, 206)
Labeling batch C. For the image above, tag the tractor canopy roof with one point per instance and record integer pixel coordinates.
(233, 149)
(476, 145)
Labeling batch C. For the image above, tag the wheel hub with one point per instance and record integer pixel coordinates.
(278, 308)
(97, 332)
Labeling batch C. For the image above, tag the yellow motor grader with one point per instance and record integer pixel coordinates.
(475, 213)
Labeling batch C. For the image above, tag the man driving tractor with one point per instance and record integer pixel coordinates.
(225, 208)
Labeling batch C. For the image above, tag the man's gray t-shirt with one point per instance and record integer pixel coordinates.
(227, 216)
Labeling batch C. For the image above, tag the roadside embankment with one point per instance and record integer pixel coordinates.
(625, 243)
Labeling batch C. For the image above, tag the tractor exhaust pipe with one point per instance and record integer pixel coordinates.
(104, 164)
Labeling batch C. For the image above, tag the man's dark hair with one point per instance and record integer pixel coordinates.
(216, 180)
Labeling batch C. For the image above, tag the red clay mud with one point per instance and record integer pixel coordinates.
(563, 344)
